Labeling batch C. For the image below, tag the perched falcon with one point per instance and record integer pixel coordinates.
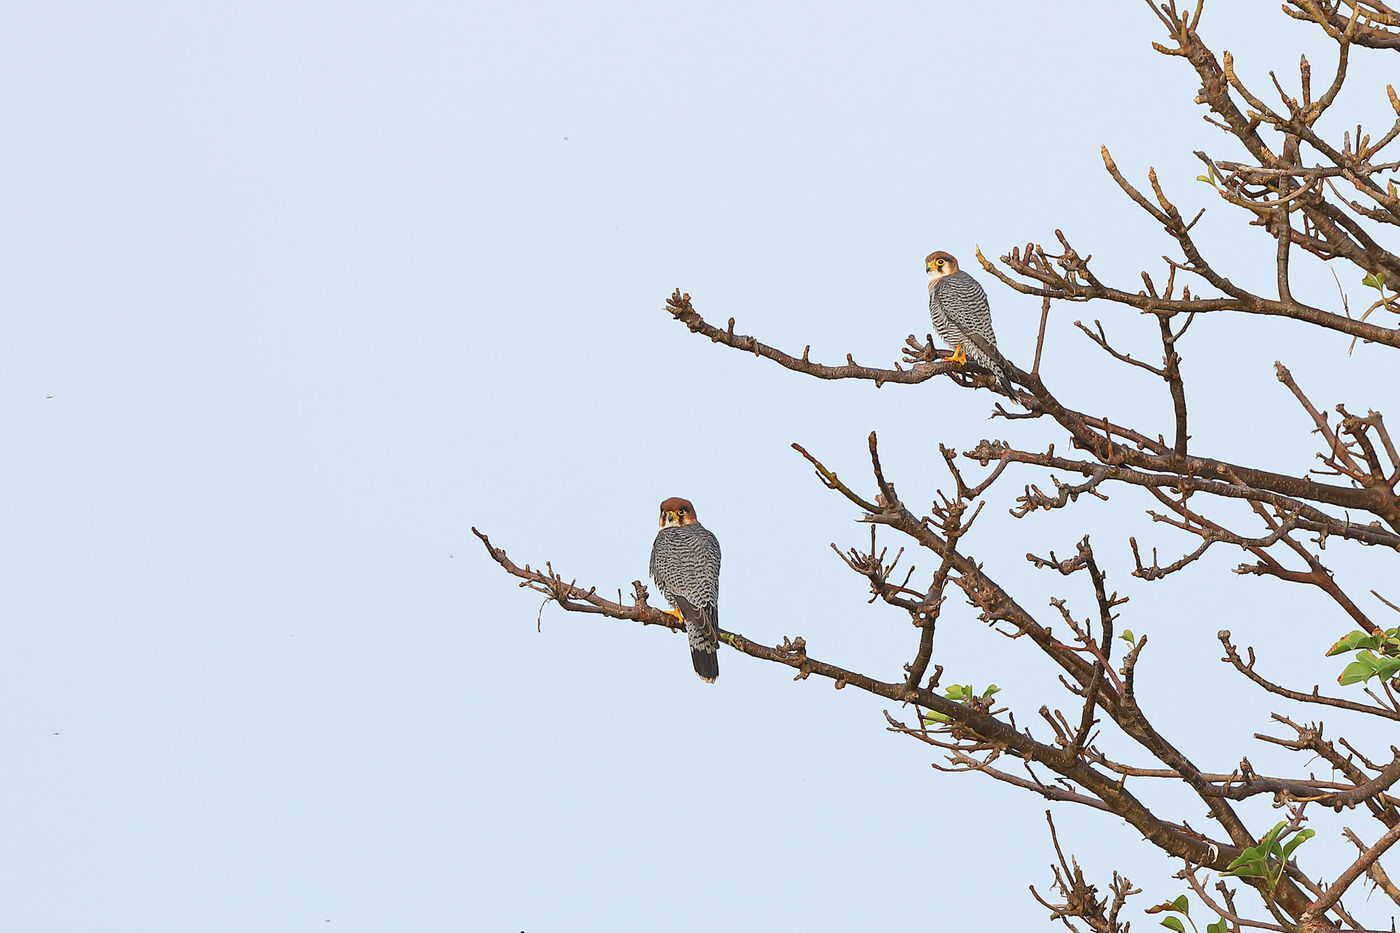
(685, 566)
(959, 307)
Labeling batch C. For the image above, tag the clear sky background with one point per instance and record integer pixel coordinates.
(295, 295)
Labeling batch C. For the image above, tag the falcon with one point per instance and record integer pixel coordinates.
(685, 566)
(959, 307)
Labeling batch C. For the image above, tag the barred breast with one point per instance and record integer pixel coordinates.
(685, 562)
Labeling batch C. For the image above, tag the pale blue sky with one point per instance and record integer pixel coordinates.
(294, 296)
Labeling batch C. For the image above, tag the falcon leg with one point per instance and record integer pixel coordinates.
(958, 356)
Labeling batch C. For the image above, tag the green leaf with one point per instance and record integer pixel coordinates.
(991, 689)
(1171, 923)
(1387, 669)
(1218, 926)
(1352, 641)
(1182, 904)
(1358, 671)
(1376, 280)
(1246, 868)
(1128, 636)
(1303, 836)
(935, 716)
(1205, 179)
(1257, 851)
(1253, 861)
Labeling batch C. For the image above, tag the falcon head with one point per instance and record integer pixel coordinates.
(676, 511)
(938, 265)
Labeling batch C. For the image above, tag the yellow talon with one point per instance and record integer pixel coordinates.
(676, 613)
(958, 356)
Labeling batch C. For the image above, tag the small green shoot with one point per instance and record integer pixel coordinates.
(1268, 859)
(1183, 907)
(958, 693)
(1178, 906)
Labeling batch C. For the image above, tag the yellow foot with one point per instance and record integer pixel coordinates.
(958, 356)
(676, 613)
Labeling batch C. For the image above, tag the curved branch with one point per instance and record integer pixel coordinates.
(1204, 473)
(681, 309)
(793, 653)
(1233, 658)
(1324, 903)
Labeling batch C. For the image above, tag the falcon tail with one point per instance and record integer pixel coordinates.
(701, 629)
(1006, 384)
(706, 664)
